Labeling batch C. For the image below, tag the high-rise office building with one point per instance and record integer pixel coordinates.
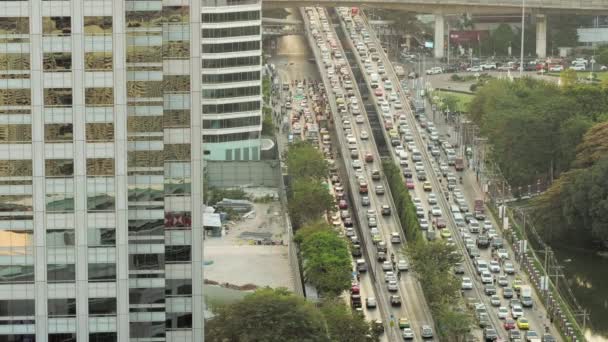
(100, 167)
(231, 83)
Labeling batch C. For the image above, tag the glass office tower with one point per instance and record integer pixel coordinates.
(100, 171)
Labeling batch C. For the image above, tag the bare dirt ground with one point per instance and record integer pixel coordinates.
(237, 259)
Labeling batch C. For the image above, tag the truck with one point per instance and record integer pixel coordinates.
(525, 296)
(459, 164)
(479, 209)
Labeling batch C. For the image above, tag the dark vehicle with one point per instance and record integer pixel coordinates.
(395, 300)
(507, 293)
(355, 301)
(407, 173)
(497, 242)
(381, 256)
(548, 338)
(348, 222)
(356, 250)
(386, 210)
(483, 241)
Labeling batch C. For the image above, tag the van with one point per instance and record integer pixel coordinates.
(459, 219)
(361, 265)
(374, 80)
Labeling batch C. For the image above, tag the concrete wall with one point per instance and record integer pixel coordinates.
(242, 173)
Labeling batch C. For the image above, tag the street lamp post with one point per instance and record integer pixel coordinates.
(523, 13)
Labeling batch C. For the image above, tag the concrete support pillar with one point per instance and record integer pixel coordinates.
(541, 36)
(439, 23)
(408, 41)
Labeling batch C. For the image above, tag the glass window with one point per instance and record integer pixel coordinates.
(16, 97)
(15, 168)
(10, 203)
(231, 47)
(145, 123)
(14, 61)
(97, 25)
(57, 61)
(18, 338)
(233, 77)
(177, 152)
(100, 132)
(178, 287)
(231, 32)
(60, 273)
(102, 272)
(178, 320)
(60, 202)
(146, 261)
(146, 227)
(15, 133)
(232, 123)
(59, 167)
(102, 306)
(231, 107)
(64, 337)
(176, 83)
(100, 167)
(231, 16)
(143, 19)
(60, 238)
(57, 96)
(230, 137)
(16, 273)
(17, 307)
(147, 329)
(98, 61)
(103, 337)
(58, 132)
(62, 307)
(177, 254)
(146, 296)
(230, 62)
(176, 14)
(56, 25)
(144, 88)
(231, 92)
(176, 49)
(101, 237)
(145, 158)
(14, 25)
(176, 118)
(99, 96)
(144, 54)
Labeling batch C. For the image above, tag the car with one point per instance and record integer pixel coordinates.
(379, 190)
(476, 68)
(435, 211)
(439, 222)
(517, 312)
(509, 268)
(408, 334)
(370, 302)
(387, 266)
(515, 335)
(532, 336)
(495, 300)
(381, 256)
(369, 158)
(389, 275)
(578, 67)
(427, 187)
(507, 293)
(365, 201)
(392, 286)
(459, 268)
(421, 175)
(407, 173)
(404, 323)
(517, 283)
(503, 281)
(424, 224)
(494, 266)
(342, 204)
(489, 334)
(364, 135)
(501, 253)
(432, 199)
(467, 283)
(489, 290)
(402, 265)
(426, 331)
(556, 67)
(395, 300)
(446, 234)
(348, 222)
(386, 210)
(409, 183)
(486, 277)
(548, 338)
(502, 312)
(484, 320)
(509, 324)
(434, 71)
(523, 323)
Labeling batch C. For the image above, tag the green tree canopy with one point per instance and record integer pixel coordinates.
(344, 324)
(267, 315)
(327, 263)
(304, 161)
(309, 200)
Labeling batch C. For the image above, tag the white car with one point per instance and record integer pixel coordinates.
(509, 268)
(434, 71)
(502, 253)
(578, 67)
(556, 68)
(398, 104)
(359, 119)
(402, 265)
(432, 199)
(370, 302)
(364, 135)
(503, 281)
(387, 266)
(503, 312)
(423, 223)
(475, 69)
(494, 266)
(517, 311)
(408, 334)
(389, 276)
(495, 300)
(436, 211)
(486, 277)
(392, 286)
(467, 283)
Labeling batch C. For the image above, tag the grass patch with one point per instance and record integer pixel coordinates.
(462, 100)
(599, 75)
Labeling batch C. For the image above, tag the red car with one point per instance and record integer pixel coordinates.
(409, 183)
(369, 157)
(439, 222)
(509, 324)
(388, 125)
(378, 92)
(354, 289)
(348, 222)
(342, 204)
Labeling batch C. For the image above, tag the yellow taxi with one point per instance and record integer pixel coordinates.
(523, 324)
(517, 283)
(404, 323)
(427, 186)
(393, 133)
(445, 233)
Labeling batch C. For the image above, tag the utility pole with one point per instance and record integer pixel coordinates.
(523, 13)
(585, 315)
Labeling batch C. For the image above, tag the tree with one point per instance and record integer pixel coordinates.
(344, 324)
(327, 264)
(602, 57)
(267, 315)
(304, 161)
(453, 325)
(593, 146)
(501, 38)
(309, 200)
(568, 78)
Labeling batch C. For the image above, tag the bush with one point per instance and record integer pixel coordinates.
(404, 206)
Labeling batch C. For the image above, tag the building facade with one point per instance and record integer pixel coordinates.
(231, 83)
(100, 171)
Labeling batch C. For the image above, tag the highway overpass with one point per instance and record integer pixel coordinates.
(588, 7)
(441, 8)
